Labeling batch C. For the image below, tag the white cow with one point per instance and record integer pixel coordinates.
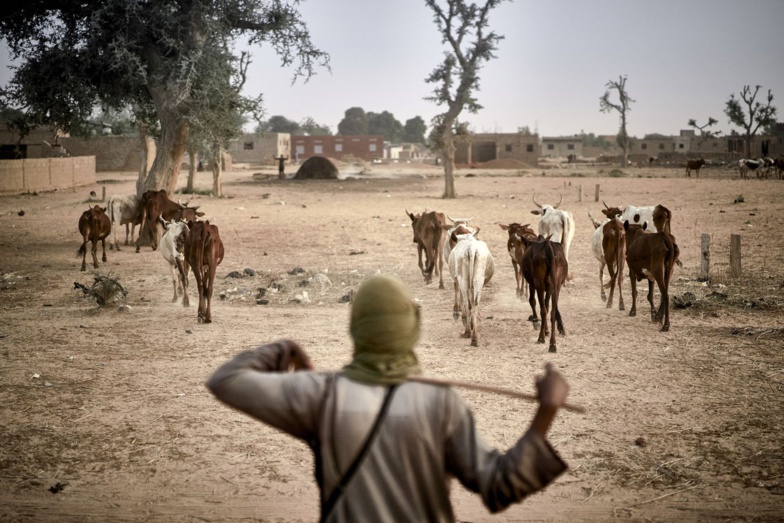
(449, 241)
(123, 210)
(172, 249)
(635, 215)
(556, 224)
(472, 262)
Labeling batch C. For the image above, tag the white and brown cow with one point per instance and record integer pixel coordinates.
(556, 224)
(123, 210)
(608, 245)
(173, 251)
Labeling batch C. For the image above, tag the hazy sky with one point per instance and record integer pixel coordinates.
(683, 59)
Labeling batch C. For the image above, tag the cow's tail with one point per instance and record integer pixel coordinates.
(670, 258)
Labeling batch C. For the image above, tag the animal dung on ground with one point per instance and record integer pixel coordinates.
(21, 213)
(296, 270)
(235, 274)
(249, 272)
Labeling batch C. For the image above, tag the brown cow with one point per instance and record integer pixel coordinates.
(694, 165)
(155, 205)
(94, 226)
(203, 253)
(545, 269)
(609, 247)
(428, 235)
(651, 256)
(515, 247)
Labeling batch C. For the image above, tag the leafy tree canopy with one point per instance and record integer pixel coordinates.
(355, 122)
(385, 124)
(414, 130)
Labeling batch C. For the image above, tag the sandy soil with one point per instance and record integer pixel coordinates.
(110, 405)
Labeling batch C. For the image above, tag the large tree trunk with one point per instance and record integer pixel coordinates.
(168, 157)
(217, 170)
(147, 151)
(448, 152)
(193, 155)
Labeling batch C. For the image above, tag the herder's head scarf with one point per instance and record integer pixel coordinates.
(385, 328)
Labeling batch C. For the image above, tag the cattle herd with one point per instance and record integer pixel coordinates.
(638, 237)
(187, 243)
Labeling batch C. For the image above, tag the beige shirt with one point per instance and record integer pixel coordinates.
(427, 437)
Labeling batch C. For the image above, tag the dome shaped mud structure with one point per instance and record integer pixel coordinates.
(317, 168)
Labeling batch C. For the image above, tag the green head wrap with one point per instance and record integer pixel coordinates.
(385, 328)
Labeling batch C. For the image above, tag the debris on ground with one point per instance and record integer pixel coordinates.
(105, 290)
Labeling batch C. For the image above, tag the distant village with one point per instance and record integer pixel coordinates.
(501, 150)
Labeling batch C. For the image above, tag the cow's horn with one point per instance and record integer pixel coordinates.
(559, 201)
(537, 203)
(605, 205)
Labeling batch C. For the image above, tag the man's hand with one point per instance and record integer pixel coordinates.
(552, 388)
(294, 357)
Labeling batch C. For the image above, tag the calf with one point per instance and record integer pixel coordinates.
(428, 235)
(172, 250)
(156, 204)
(609, 247)
(545, 268)
(203, 253)
(694, 165)
(94, 226)
(651, 256)
(472, 263)
(515, 247)
(556, 224)
(123, 210)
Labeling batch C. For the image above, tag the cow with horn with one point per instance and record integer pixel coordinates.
(556, 224)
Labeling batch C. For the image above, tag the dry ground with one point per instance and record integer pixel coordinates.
(111, 405)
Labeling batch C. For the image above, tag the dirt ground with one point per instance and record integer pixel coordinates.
(104, 415)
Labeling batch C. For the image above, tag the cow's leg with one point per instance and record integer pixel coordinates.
(613, 278)
(601, 282)
(210, 278)
(633, 283)
(543, 314)
(113, 245)
(182, 269)
(83, 252)
(174, 277)
(440, 268)
(103, 246)
(553, 317)
(456, 306)
(665, 303)
(650, 300)
(532, 303)
(474, 324)
(518, 279)
(200, 288)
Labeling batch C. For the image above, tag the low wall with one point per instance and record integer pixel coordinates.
(45, 174)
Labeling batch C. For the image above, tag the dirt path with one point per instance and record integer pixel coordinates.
(112, 406)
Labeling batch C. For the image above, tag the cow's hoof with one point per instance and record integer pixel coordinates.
(103, 259)
(552, 348)
(632, 313)
(540, 340)
(533, 318)
(609, 305)
(441, 286)
(207, 320)
(83, 268)
(621, 307)
(474, 342)
(111, 247)
(455, 315)
(174, 300)
(604, 297)
(562, 332)
(465, 335)
(137, 250)
(665, 328)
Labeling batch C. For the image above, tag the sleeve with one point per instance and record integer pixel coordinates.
(256, 382)
(500, 478)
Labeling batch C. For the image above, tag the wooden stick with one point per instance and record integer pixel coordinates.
(487, 388)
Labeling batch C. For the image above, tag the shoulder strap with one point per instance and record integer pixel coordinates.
(337, 492)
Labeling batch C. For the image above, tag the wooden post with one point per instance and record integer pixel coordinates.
(580, 193)
(705, 258)
(596, 195)
(735, 255)
(103, 193)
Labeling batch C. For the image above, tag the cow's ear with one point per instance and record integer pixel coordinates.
(199, 213)
(446, 227)
(476, 233)
(535, 212)
(503, 226)
(626, 225)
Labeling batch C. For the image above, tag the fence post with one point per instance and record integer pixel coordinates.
(596, 195)
(580, 193)
(103, 193)
(735, 265)
(704, 257)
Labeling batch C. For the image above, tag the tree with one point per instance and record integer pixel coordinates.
(414, 130)
(386, 125)
(354, 122)
(281, 124)
(754, 116)
(159, 55)
(310, 127)
(622, 106)
(705, 133)
(464, 28)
